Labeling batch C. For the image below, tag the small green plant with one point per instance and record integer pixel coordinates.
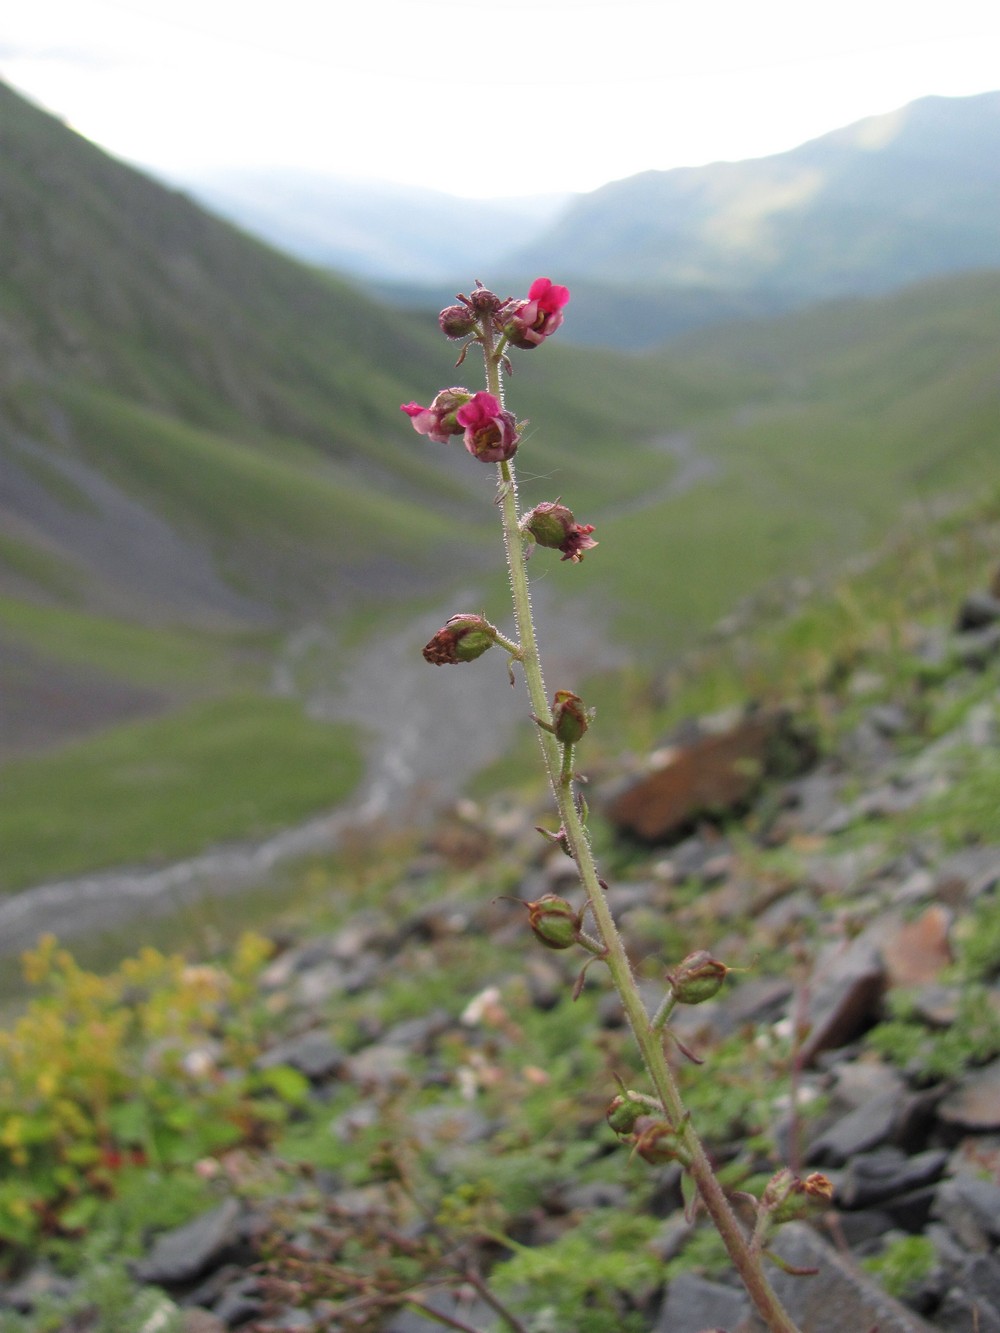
(930, 1054)
(903, 1265)
(145, 1069)
(107, 1301)
(590, 1280)
(979, 940)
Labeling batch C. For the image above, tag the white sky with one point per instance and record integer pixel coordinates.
(484, 97)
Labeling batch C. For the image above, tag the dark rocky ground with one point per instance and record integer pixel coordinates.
(830, 866)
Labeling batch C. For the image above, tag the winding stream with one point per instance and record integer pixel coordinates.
(430, 731)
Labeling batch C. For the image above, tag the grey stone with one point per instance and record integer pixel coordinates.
(474, 1314)
(980, 1277)
(978, 610)
(39, 1283)
(812, 800)
(968, 873)
(863, 1128)
(239, 1303)
(889, 719)
(418, 1033)
(693, 1304)
(971, 1209)
(201, 1321)
(976, 648)
(316, 984)
(872, 1178)
(184, 1254)
(440, 1123)
(975, 1102)
(595, 1194)
(380, 1065)
(757, 1000)
(961, 1312)
(314, 1054)
(838, 1299)
(844, 999)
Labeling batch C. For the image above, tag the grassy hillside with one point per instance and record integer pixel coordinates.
(851, 417)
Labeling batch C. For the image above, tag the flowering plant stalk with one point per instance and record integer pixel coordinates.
(656, 1125)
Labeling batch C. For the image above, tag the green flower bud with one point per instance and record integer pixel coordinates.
(657, 1142)
(623, 1113)
(552, 524)
(463, 639)
(569, 717)
(554, 922)
(697, 978)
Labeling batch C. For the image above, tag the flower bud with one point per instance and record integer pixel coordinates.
(552, 524)
(457, 321)
(657, 1142)
(569, 717)
(623, 1113)
(787, 1198)
(483, 301)
(554, 921)
(463, 639)
(697, 978)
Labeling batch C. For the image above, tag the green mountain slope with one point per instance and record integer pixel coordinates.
(888, 201)
(247, 402)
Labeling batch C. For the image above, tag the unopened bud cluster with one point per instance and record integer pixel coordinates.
(637, 1121)
(489, 432)
(788, 1198)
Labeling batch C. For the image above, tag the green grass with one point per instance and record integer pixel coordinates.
(133, 653)
(34, 565)
(155, 791)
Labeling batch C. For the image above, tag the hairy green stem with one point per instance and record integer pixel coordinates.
(648, 1037)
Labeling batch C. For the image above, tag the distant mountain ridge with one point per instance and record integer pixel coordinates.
(869, 208)
(372, 229)
(885, 202)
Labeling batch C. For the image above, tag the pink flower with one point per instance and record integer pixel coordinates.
(438, 421)
(539, 316)
(552, 524)
(490, 432)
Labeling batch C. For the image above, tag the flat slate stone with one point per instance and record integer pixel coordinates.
(975, 1103)
(314, 1054)
(838, 1299)
(693, 1304)
(863, 1128)
(971, 1208)
(184, 1254)
(875, 1177)
(844, 1000)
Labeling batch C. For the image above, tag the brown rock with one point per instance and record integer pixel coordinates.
(844, 998)
(914, 952)
(975, 1103)
(200, 1321)
(711, 774)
